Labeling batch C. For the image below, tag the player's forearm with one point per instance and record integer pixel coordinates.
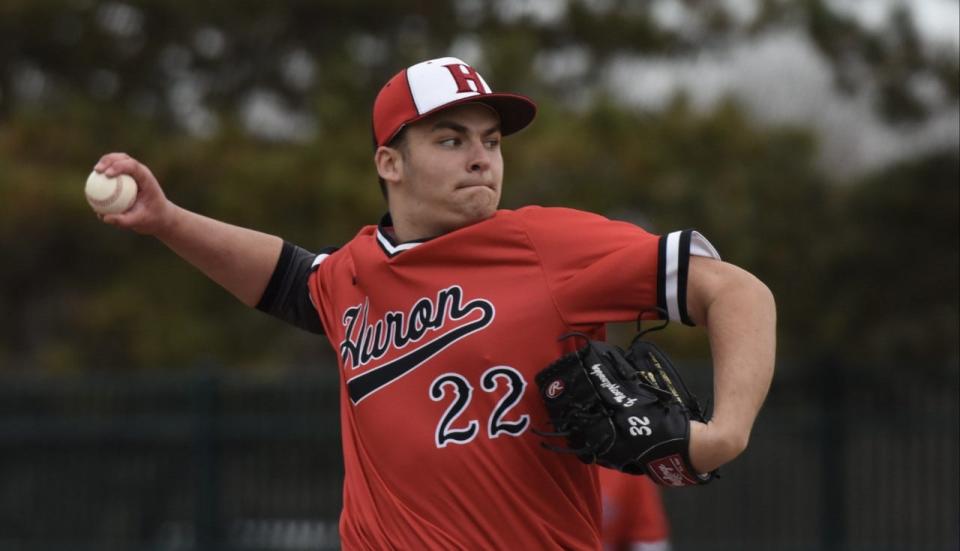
(238, 259)
(741, 324)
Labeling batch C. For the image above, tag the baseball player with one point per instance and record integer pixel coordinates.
(633, 515)
(442, 313)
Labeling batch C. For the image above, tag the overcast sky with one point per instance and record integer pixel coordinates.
(780, 77)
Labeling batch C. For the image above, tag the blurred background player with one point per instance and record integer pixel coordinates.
(634, 518)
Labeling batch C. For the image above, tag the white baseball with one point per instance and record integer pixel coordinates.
(110, 195)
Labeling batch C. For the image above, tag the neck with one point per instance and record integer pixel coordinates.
(404, 230)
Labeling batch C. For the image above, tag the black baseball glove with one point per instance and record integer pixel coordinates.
(628, 411)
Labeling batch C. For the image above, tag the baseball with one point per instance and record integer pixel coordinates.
(110, 195)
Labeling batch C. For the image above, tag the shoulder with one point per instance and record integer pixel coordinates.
(330, 259)
(538, 218)
(536, 213)
(568, 223)
(366, 236)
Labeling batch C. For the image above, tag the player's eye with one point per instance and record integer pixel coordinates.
(493, 143)
(449, 142)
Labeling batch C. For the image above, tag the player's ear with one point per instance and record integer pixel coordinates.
(389, 163)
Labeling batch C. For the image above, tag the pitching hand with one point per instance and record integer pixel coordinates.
(151, 212)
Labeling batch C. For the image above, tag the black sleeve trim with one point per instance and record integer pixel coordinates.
(673, 268)
(286, 296)
(273, 286)
(662, 275)
(682, 271)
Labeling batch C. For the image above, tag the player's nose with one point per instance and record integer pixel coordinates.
(479, 159)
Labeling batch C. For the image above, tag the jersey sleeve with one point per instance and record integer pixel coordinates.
(600, 271)
(287, 295)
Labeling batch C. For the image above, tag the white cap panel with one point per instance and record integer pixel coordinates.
(433, 84)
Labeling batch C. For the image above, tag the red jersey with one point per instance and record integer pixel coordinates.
(438, 343)
(632, 510)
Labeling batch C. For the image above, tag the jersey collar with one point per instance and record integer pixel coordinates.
(388, 242)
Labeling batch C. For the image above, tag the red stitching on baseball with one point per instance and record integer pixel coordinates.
(110, 198)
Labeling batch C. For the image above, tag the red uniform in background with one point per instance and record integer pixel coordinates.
(633, 515)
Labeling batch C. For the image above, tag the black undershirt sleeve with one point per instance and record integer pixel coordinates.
(286, 296)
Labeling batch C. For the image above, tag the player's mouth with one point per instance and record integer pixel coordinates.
(467, 185)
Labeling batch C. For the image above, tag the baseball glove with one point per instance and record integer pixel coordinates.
(628, 411)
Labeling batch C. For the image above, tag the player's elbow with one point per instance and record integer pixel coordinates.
(753, 295)
(731, 445)
(712, 283)
(737, 444)
(766, 303)
(764, 294)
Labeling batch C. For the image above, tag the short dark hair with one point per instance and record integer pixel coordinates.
(399, 142)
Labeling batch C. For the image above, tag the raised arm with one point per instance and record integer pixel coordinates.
(239, 259)
(739, 314)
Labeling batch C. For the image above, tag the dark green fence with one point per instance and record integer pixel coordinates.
(171, 462)
(840, 460)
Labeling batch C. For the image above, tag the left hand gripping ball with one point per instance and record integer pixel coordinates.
(110, 195)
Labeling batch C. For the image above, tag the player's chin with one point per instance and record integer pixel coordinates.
(472, 213)
(482, 206)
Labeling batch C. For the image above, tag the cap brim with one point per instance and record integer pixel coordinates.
(516, 111)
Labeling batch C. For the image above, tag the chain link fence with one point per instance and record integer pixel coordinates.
(841, 459)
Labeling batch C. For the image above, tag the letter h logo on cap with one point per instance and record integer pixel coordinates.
(431, 86)
(464, 75)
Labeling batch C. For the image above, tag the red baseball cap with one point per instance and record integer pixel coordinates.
(431, 86)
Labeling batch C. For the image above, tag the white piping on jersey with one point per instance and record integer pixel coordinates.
(394, 249)
(699, 246)
(673, 267)
(318, 260)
